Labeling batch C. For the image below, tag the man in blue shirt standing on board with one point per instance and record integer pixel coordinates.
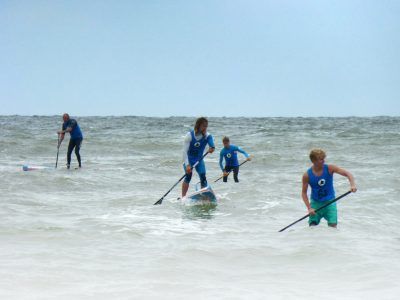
(195, 143)
(229, 153)
(71, 126)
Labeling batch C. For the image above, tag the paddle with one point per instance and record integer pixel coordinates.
(329, 203)
(162, 198)
(231, 171)
(58, 149)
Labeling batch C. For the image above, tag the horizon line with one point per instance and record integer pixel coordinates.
(179, 116)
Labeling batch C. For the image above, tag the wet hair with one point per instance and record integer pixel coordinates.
(225, 139)
(66, 115)
(199, 121)
(317, 154)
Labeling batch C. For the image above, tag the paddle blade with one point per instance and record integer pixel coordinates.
(158, 202)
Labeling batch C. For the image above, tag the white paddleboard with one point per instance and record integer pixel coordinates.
(204, 196)
(33, 168)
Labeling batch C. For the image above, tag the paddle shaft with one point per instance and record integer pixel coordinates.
(58, 149)
(162, 198)
(231, 171)
(306, 216)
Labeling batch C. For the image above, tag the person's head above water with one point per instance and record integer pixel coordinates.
(226, 142)
(201, 126)
(317, 156)
(65, 117)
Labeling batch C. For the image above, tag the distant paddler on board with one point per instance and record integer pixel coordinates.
(320, 178)
(230, 154)
(195, 143)
(71, 126)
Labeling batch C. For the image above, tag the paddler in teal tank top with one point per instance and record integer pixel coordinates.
(320, 178)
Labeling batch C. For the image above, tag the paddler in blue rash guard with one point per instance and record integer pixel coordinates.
(229, 153)
(193, 148)
(320, 178)
(71, 126)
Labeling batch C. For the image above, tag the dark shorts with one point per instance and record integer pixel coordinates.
(235, 170)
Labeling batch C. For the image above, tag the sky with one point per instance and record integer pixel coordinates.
(190, 58)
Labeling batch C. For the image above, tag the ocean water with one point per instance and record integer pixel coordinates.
(94, 233)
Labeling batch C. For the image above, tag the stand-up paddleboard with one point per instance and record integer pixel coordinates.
(33, 168)
(204, 196)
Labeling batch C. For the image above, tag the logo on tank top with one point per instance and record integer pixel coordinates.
(197, 144)
(229, 155)
(321, 182)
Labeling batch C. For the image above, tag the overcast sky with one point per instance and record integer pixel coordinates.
(191, 58)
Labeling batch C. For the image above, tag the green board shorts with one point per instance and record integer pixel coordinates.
(329, 213)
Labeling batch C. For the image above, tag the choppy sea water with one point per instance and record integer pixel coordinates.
(94, 233)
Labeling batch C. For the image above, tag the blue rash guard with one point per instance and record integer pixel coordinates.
(231, 157)
(76, 132)
(321, 186)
